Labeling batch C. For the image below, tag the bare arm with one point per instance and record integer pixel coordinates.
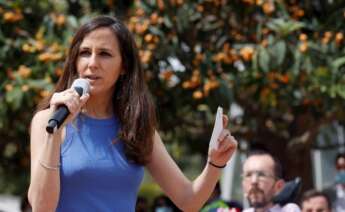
(187, 195)
(44, 187)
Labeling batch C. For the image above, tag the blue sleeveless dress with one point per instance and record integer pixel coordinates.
(95, 174)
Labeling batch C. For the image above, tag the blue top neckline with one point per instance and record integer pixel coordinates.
(98, 121)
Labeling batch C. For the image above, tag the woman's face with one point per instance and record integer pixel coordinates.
(99, 61)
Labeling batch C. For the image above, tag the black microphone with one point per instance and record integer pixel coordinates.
(82, 86)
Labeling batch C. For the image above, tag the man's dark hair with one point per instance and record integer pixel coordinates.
(278, 170)
(315, 193)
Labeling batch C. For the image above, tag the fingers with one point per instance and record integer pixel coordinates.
(225, 121)
(227, 145)
(73, 105)
(70, 98)
(83, 99)
(223, 135)
(226, 141)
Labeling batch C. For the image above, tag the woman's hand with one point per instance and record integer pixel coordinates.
(71, 99)
(227, 145)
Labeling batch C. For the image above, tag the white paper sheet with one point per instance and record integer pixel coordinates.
(217, 129)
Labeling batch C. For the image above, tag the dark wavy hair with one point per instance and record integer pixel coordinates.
(132, 101)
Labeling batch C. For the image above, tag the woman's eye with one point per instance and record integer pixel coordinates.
(105, 54)
(84, 53)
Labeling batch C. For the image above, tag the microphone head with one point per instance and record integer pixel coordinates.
(81, 84)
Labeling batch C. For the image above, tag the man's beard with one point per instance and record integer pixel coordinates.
(257, 198)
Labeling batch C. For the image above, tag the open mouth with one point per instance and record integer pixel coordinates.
(91, 77)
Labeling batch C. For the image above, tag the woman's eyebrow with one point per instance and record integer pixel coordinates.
(98, 49)
(105, 49)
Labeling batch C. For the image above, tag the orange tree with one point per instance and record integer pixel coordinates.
(281, 62)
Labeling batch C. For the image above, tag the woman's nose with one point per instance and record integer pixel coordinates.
(93, 60)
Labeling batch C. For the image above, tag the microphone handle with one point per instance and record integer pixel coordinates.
(57, 119)
(60, 115)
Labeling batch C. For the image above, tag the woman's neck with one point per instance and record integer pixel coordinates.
(99, 107)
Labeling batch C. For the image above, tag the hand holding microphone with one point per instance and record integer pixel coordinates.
(68, 102)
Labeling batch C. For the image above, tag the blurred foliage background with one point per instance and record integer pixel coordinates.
(276, 66)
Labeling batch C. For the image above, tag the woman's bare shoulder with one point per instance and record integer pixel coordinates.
(41, 117)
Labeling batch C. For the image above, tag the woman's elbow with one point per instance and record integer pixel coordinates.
(188, 205)
(189, 208)
(40, 202)
(40, 205)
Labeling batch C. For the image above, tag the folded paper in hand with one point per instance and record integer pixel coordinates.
(217, 129)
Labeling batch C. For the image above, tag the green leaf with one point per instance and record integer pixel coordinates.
(14, 97)
(182, 19)
(212, 26)
(39, 84)
(156, 31)
(264, 59)
(337, 63)
(341, 90)
(195, 16)
(255, 61)
(297, 62)
(333, 91)
(72, 21)
(279, 50)
(284, 27)
(10, 150)
(307, 65)
(167, 22)
(322, 72)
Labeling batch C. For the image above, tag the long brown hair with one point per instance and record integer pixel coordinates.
(132, 101)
